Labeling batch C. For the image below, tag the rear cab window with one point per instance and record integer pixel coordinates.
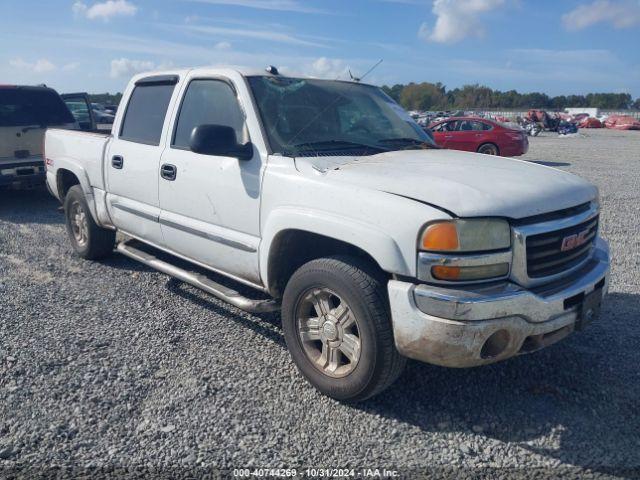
(32, 106)
(147, 109)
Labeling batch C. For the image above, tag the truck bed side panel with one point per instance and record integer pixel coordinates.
(80, 152)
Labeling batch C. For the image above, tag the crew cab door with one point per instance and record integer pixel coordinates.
(133, 158)
(211, 204)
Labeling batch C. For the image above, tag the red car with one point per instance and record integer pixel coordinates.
(480, 135)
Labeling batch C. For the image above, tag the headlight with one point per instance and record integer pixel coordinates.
(596, 201)
(472, 235)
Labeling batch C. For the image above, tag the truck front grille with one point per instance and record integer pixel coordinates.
(545, 255)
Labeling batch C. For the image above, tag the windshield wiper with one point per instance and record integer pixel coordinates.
(328, 145)
(409, 142)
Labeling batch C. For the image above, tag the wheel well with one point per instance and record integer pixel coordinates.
(489, 143)
(291, 249)
(65, 179)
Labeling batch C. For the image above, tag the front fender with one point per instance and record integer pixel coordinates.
(381, 246)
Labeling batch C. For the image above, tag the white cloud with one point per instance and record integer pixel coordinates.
(621, 14)
(70, 67)
(222, 46)
(104, 10)
(39, 66)
(457, 20)
(423, 31)
(281, 5)
(268, 35)
(325, 67)
(125, 68)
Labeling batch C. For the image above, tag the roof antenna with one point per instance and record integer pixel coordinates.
(358, 79)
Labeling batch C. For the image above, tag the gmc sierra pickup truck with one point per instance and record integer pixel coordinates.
(374, 244)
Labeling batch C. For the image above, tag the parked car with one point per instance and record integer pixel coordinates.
(373, 243)
(111, 109)
(473, 134)
(101, 115)
(25, 113)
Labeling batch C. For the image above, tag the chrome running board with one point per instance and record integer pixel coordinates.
(199, 281)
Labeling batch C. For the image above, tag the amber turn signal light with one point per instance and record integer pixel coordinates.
(465, 274)
(446, 273)
(442, 236)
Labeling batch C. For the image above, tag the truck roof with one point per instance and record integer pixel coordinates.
(224, 71)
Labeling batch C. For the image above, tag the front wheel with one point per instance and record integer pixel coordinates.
(88, 239)
(489, 149)
(337, 326)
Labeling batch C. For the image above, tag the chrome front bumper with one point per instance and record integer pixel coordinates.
(480, 324)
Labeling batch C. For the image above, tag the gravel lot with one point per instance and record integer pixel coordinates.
(113, 366)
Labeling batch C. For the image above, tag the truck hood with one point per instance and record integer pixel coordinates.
(466, 184)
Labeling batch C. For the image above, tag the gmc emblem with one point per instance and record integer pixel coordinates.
(574, 241)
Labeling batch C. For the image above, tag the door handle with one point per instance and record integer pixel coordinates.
(168, 172)
(448, 136)
(117, 162)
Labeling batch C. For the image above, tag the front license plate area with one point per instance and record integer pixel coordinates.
(590, 309)
(24, 171)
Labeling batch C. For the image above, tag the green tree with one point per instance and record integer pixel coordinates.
(394, 92)
(105, 98)
(434, 96)
(423, 96)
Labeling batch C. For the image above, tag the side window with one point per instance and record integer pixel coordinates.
(467, 125)
(486, 126)
(145, 114)
(451, 126)
(207, 102)
(443, 127)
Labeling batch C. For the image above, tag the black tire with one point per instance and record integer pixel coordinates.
(363, 289)
(489, 149)
(95, 242)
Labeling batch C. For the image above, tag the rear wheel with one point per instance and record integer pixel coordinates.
(88, 239)
(337, 326)
(489, 149)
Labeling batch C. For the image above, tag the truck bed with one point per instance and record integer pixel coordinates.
(83, 149)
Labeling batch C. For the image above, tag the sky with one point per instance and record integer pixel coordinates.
(556, 47)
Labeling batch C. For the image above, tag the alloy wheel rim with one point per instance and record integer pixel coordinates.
(328, 331)
(79, 225)
(489, 150)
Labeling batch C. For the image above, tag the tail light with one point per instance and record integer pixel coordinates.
(47, 161)
(515, 135)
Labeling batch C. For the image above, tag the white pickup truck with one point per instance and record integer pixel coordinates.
(375, 244)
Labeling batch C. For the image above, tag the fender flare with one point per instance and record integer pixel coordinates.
(377, 243)
(82, 176)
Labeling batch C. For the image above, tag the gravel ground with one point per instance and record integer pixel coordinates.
(111, 367)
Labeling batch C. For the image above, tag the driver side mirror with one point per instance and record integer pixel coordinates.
(219, 140)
